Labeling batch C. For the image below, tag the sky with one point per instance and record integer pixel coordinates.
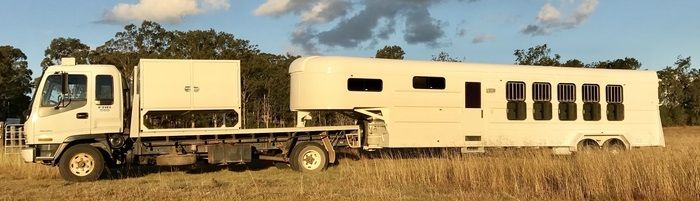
(482, 31)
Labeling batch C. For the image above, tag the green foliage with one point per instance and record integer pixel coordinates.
(573, 63)
(626, 63)
(65, 47)
(445, 57)
(679, 93)
(537, 56)
(541, 55)
(390, 52)
(15, 82)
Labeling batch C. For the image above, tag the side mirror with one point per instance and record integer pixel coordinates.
(64, 83)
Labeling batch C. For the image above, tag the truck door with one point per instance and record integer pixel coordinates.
(105, 115)
(62, 116)
(472, 114)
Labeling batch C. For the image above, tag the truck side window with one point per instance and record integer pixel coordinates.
(77, 87)
(104, 89)
(50, 95)
(515, 95)
(591, 102)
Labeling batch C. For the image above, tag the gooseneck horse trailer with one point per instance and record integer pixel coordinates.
(85, 118)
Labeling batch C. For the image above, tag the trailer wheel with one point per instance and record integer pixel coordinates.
(587, 145)
(81, 163)
(614, 146)
(309, 157)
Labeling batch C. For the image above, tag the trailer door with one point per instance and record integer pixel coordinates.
(472, 115)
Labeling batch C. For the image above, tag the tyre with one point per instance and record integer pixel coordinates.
(614, 146)
(81, 163)
(588, 145)
(309, 157)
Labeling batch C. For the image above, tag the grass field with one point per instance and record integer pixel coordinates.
(671, 173)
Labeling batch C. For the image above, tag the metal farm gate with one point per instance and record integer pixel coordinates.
(13, 138)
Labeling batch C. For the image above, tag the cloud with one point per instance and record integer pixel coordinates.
(483, 38)
(311, 11)
(550, 18)
(171, 11)
(354, 23)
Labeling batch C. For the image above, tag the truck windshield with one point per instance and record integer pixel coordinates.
(51, 93)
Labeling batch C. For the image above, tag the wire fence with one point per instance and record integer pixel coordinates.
(13, 138)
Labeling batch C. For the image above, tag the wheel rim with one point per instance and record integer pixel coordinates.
(82, 164)
(311, 160)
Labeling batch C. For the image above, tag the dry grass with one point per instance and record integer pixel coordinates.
(671, 173)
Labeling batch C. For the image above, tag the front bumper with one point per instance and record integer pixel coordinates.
(28, 154)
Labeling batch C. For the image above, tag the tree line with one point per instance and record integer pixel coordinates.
(265, 89)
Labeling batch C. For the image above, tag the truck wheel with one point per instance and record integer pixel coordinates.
(81, 163)
(309, 157)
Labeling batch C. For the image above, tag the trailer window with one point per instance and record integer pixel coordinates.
(472, 95)
(104, 89)
(542, 95)
(614, 98)
(364, 84)
(420, 82)
(566, 94)
(591, 102)
(515, 95)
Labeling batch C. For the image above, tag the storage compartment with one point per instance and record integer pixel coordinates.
(190, 87)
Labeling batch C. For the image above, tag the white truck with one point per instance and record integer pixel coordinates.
(181, 111)
(86, 117)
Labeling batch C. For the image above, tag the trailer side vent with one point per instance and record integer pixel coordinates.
(515, 95)
(591, 102)
(542, 95)
(615, 108)
(566, 94)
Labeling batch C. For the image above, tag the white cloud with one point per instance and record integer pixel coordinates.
(310, 11)
(171, 11)
(273, 7)
(550, 18)
(325, 11)
(548, 13)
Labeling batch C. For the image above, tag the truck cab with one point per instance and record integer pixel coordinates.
(73, 103)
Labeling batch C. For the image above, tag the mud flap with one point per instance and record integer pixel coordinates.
(329, 148)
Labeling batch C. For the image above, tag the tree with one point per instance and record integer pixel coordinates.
(674, 87)
(537, 56)
(390, 52)
(445, 57)
(65, 47)
(626, 63)
(15, 79)
(149, 40)
(541, 55)
(573, 63)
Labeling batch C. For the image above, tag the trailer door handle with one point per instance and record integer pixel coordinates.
(82, 115)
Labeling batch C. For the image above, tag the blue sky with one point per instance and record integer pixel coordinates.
(485, 31)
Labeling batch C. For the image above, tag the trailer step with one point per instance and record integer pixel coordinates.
(473, 149)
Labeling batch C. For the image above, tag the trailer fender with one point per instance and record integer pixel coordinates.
(98, 141)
